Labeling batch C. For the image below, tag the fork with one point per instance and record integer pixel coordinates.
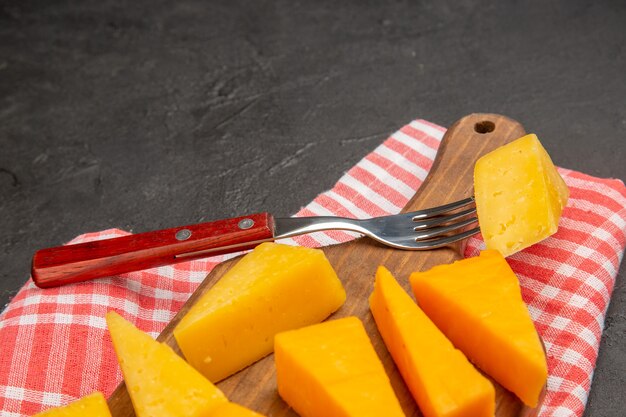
(418, 230)
(449, 179)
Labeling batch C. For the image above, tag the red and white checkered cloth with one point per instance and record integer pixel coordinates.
(55, 347)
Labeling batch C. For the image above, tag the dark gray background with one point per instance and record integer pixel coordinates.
(151, 114)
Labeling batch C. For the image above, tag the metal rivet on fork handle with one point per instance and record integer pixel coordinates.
(183, 234)
(246, 224)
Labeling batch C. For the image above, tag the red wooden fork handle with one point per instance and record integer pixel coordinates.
(73, 263)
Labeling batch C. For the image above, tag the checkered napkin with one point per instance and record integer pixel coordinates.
(55, 347)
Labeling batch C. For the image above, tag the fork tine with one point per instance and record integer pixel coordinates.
(434, 211)
(423, 224)
(438, 231)
(444, 241)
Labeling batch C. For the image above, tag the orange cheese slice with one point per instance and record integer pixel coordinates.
(519, 195)
(331, 370)
(92, 405)
(159, 382)
(272, 289)
(477, 304)
(233, 410)
(443, 382)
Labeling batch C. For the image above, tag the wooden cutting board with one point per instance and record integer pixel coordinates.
(450, 179)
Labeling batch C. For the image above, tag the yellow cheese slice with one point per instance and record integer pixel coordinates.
(519, 195)
(477, 304)
(273, 288)
(443, 382)
(92, 405)
(331, 370)
(159, 382)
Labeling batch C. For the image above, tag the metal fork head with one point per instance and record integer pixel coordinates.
(425, 229)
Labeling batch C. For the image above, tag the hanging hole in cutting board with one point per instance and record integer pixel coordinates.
(485, 126)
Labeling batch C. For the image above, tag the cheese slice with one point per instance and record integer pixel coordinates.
(159, 382)
(233, 410)
(92, 405)
(331, 370)
(443, 382)
(477, 304)
(271, 289)
(519, 195)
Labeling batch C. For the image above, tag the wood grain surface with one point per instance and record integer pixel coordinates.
(450, 179)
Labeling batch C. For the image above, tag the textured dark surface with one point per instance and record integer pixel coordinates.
(150, 114)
